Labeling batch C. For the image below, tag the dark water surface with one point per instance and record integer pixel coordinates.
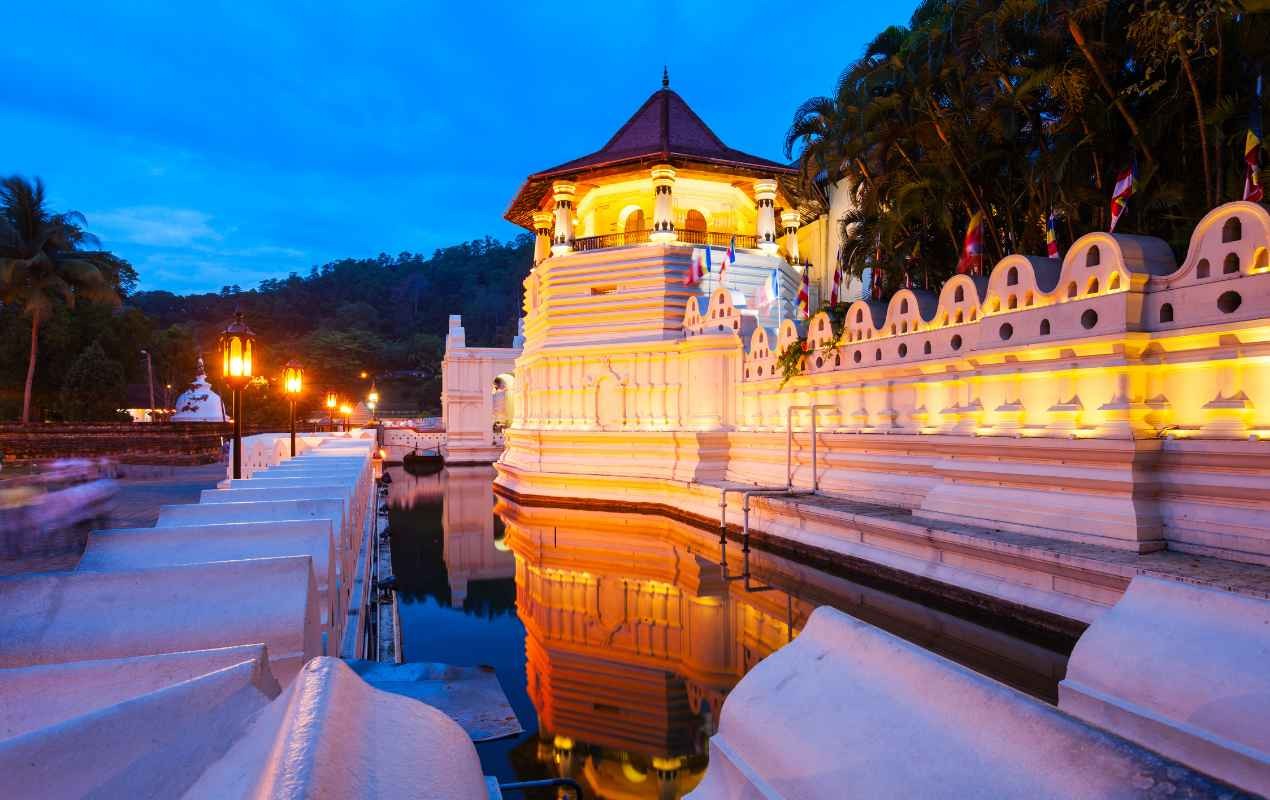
(615, 636)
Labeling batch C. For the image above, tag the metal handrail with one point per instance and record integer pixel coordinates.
(774, 491)
(789, 445)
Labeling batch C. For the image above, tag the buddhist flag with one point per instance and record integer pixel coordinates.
(1051, 236)
(729, 258)
(1253, 190)
(972, 248)
(768, 292)
(804, 294)
(835, 294)
(697, 270)
(1126, 182)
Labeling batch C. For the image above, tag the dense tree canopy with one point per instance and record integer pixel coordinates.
(385, 316)
(1016, 108)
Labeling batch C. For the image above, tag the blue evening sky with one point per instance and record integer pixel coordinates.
(224, 143)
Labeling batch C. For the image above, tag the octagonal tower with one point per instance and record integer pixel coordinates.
(616, 231)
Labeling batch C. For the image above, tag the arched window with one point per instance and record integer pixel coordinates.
(1232, 231)
(634, 221)
(904, 306)
(1114, 283)
(1202, 269)
(1012, 277)
(1166, 312)
(1231, 265)
(694, 220)
(1045, 327)
(1071, 289)
(1093, 286)
(959, 295)
(926, 348)
(1093, 256)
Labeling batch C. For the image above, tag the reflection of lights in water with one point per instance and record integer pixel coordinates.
(633, 773)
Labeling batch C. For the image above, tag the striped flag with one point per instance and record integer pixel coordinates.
(1051, 236)
(835, 294)
(1126, 182)
(696, 271)
(768, 291)
(804, 294)
(729, 258)
(972, 248)
(1253, 190)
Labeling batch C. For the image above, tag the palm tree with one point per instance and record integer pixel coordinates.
(43, 262)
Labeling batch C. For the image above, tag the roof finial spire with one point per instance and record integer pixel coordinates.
(665, 77)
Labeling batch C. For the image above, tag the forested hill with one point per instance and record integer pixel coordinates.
(383, 315)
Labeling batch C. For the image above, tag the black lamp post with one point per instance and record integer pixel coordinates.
(236, 344)
(292, 385)
(332, 400)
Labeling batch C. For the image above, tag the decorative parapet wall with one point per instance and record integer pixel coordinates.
(1114, 342)
(1112, 398)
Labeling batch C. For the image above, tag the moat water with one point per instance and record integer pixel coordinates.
(616, 637)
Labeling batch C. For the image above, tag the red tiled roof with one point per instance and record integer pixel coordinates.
(664, 128)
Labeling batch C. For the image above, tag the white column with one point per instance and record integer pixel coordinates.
(765, 194)
(562, 192)
(663, 204)
(543, 223)
(790, 220)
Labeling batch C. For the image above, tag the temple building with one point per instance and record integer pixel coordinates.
(665, 185)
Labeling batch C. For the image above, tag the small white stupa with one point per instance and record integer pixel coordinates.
(199, 403)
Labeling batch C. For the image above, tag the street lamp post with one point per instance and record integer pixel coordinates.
(150, 375)
(346, 411)
(332, 400)
(372, 400)
(293, 384)
(237, 342)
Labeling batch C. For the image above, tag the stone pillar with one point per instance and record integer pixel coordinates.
(543, 223)
(562, 192)
(789, 221)
(663, 204)
(765, 194)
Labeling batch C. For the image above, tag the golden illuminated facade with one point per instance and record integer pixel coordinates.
(1114, 400)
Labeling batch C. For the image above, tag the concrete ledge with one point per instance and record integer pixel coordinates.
(81, 616)
(136, 548)
(332, 735)
(267, 511)
(1183, 670)
(37, 697)
(848, 710)
(155, 745)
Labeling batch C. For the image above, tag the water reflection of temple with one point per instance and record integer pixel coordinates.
(632, 643)
(456, 550)
(634, 638)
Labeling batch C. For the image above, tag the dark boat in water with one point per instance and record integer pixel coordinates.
(425, 463)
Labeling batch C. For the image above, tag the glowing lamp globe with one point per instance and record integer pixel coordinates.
(293, 379)
(373, 397)
(331, 400)
(237, 342)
